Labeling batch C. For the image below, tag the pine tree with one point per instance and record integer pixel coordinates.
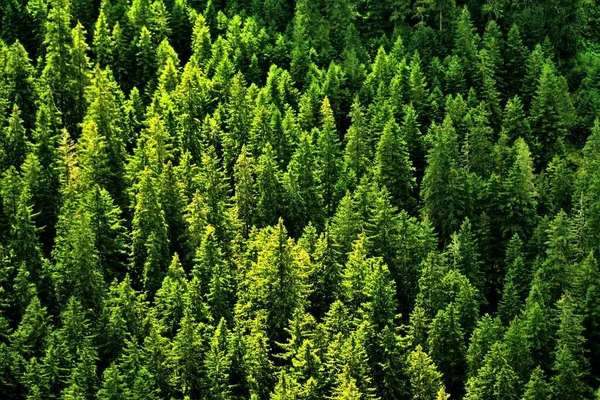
(113, 387)
(487, 332)
(245, 191)
(538, 327)
(217, 274)
(444, 190)
(217, 363)
(393, 168)
(328, 157)
(425, 380)
(46, 195)
(557, 270)
(358, 144)
(23, 234)
(58, 66)
(325, 276)
(570, 363)
(584, 291)
(150, 242)
(418, 92)
(519, 193)
(104, 111)
(80, 78)
(552, 112)
(259, 368)
(111, 238)
(301, 181)
(346, 388)
(447, 346)
(516, 56)
(145, 60)
(268, 187)
(537, 388)
(517, 352)
(214, 187)
(237, 120)
(273, 282)
(173, 202)
(77, 271)
(465, 253)
(20, 84)
(587, 187)
(170, 298)
(355, 274)
(466, 42)
(29, 339)
(186, 355)
(15, 146)
(103, 42)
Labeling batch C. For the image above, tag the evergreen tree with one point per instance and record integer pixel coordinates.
(217, 363)
(570, 364)
(150, 242)
(425, 380)
(447, 346)
(392, 165)
(328, 158)
(15, 146)
(552, 112)
(77, 271)
(536, 388)
(58, 67)
(444, 190)
(358, 144)
(245, 191)
(268, 186)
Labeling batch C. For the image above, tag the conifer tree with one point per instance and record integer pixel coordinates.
(519, 193)
(186, 355)
(103, 42)
(358, 144)
(217, 363)
(20, 82)
(150, 242)
(536, 388)
(393, 168)
(15, 146)
(447, 347)
(173, 202)
(487, 332)
(300, 182)
(58, 67)
(170, 298)
(466, 42)
(219, 276)
(268, 187)
(515, 60)
(80, 71)
(328, 157)
(444, 190)
(587, 187)
(425, 380)
(104, 111)
(77, 271)
(570, 363)
(552, 112)
(245, 191)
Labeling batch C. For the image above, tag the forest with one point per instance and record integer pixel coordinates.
(299, 200)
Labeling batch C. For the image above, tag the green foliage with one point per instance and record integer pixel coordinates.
(299, 200)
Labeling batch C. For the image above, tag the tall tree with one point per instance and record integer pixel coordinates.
(150, 242)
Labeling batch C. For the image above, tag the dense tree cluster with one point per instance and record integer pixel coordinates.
(310, 199)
